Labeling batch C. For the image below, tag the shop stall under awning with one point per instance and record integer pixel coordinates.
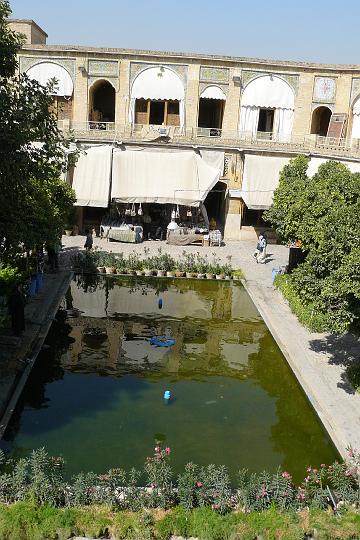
(92, 176)
(165, 177)
(260, 179)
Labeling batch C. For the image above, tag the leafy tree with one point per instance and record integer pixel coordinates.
(34, 200)
(323, 212)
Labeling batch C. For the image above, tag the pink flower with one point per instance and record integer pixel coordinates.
(167, 450)
(307, 478)
(351, 453)
(317, 481)
(285, 474)
(199, 484)
(157, 449)
(322, 465)
(308, 469)
(301, 496)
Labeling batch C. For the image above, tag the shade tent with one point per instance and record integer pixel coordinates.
(353, 166)
(268, 92)
(213, 92)
(260, 179)
(180, 177)
(46, 71)
(157, 83)
(92, 174)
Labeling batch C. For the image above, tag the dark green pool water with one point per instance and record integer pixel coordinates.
(98, 400)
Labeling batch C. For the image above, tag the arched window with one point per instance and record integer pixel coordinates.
(157, 97)
(101, 104)
(211, 109)
(320, 121)
(267, 108)
(44, 72)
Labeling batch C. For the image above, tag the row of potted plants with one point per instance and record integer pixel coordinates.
(191, 265)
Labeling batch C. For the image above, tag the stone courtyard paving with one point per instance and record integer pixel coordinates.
(318, 360)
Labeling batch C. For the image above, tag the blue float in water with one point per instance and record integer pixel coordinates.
(167, 394)
(162, 341)
(160, 303)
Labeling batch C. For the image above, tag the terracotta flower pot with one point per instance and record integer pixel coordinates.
(220, 276)
(100, 269)
(139, 272)
(161, 273)
(200, 276)
(170, 273)
(148, 272)
(179, 273)
(209, 275)
(190, 274)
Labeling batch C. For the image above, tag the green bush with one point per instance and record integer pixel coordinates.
(8, 277)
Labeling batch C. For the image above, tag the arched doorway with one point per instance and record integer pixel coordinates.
(215, 205)
(102, 104)
(211, 110)
(320, 121)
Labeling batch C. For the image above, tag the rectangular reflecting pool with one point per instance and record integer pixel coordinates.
(95, 395)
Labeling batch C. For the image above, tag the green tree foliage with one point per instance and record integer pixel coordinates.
(34, 200)
(323, 212)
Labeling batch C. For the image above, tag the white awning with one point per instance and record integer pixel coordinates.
(260, 179)
(268, 91)
(213, 92)
(180, 177)
(315, 162)
(158, 83)
(92, 177)
(45, 71)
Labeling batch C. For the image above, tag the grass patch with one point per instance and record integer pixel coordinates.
(26, 521)
(306, 313)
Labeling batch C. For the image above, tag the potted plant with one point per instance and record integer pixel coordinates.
(110, 264)
(134, 264)
(180, 270)
(201, 265)
(120, 264)
(218, 269)
(190, 265)
(99, 258)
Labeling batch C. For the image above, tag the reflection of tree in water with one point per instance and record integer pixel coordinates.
(297, 432)
(47, 369)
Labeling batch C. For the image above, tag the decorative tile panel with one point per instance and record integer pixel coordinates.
(324, 89)
(112, 80)
(317, 104)
(108, 68)
(224, 87)
(137, 67)
(214, 74)
(26, 62)
(249, 75)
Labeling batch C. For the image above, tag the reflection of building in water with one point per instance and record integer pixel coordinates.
(215, 327)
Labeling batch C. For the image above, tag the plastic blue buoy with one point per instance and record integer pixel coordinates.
(160, 303)
(167, 394)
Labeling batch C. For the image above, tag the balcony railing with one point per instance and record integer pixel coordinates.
(208, 136)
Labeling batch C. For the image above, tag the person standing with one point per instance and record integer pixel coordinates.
(16, 305)
(89, 240)
(258, 247)
(262, 255)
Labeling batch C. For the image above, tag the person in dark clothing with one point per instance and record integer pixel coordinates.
(89, 240)
(16, 305)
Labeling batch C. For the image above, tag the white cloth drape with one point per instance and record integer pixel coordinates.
(249, 119)
(355, 132)
(260, 179)
(92, 177)
(214, 158)
(283, 123)
(45, 71)
(314, 164)
(180, 177)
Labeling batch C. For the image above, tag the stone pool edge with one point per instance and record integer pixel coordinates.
(30, 354)
(338, 410)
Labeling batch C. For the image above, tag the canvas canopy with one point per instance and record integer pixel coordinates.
(92, 177)
(180, 177)
(260, 179)
(157, 83)
(45, 71)
(355, 132)
(213, 92)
